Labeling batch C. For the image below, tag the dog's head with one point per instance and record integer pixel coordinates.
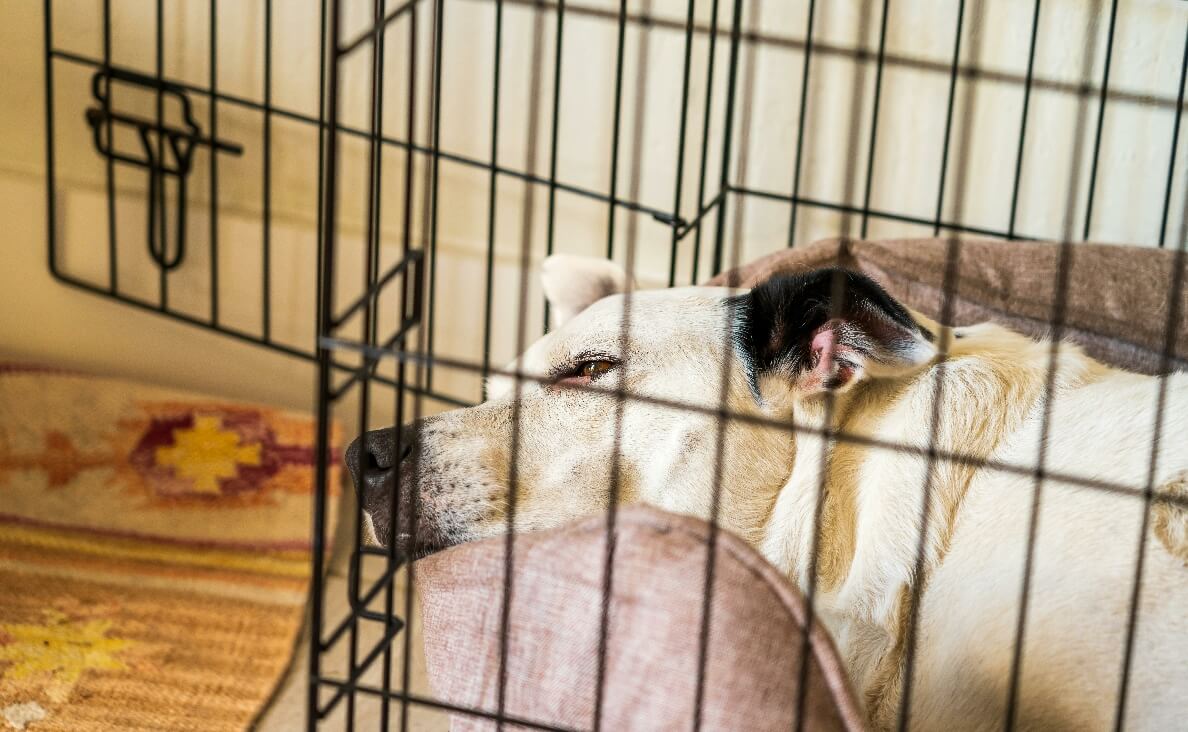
(623, 401)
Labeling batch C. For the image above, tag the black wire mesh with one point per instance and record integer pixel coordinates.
(360, 362)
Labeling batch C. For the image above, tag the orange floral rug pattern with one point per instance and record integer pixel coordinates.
(154, 554)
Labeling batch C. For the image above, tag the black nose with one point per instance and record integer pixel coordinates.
(374, 456)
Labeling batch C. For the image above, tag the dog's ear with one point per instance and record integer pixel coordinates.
(826, 331)
(572, 283)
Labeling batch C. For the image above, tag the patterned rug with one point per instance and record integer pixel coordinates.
(154, 554)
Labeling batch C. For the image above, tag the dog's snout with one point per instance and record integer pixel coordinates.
(372, 457)
(373, 460)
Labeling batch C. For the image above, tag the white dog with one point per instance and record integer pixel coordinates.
(794, 360)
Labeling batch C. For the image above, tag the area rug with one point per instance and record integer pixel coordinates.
(154, 553)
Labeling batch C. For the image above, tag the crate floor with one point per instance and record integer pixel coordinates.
(286, 712)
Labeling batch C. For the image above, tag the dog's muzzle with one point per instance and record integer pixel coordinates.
(384, 483)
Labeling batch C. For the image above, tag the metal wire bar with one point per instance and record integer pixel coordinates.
(158, 204)
(266, 206)
(874, 213)
(551, 223)
(1057, 323)
(325, 306)
(51, 221)
(940, 189)
(705, 130)
(492, 188)
(612, 501)
(409, 699)
(1169, 346)
(433, 191)
(527, 216)
(112, 249)
(711, 546)
(1035, 23)
(874, 118)
(800, 125)
(1171, 156)
(1101, 110)
(742, 159)
(681, 135)
(214, 163)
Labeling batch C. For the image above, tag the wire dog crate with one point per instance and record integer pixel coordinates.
(687, 89)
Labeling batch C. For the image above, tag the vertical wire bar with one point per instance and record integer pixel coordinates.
(616, 133)
(433, 193)
(638, 121)
(850, 174)
(703, 637)
(1057, 323)
(940, 193)
(155, 203)
(369, 327)
(680, 169)
(409, 183)
(804, 87)
(266, 304)
(552, 213)
(318, 204)
(492, 187)
(1101, 109)
(112, 253)
(527, 216)
(705, 131)
(50, 200)
(608, 569)
(1035, 22)
(1169, 345)
(746, 104)
(948, 287)
(214, 164)
(874, 120)
(324, 355)
(1175, 145)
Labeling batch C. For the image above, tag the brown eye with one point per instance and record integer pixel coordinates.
(593, 369)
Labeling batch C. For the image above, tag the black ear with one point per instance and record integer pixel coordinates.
(826, 330)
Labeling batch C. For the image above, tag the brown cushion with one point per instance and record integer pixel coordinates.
(755, 639)
(1117, 296)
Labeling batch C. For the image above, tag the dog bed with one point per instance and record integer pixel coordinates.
(154, 554)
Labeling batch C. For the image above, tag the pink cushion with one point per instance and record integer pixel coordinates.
(755, 641)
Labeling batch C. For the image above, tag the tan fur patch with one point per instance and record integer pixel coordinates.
(1169, 521)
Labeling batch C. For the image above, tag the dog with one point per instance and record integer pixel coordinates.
(845, 409)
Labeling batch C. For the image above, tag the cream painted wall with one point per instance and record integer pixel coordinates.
(44, 320)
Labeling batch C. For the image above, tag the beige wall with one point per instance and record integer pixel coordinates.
(44, 320)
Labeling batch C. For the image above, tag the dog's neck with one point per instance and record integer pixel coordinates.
(869, 560)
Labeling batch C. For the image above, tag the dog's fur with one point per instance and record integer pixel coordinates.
(831, 351)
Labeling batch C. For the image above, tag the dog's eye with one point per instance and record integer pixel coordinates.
(593, 369)
(586, 371)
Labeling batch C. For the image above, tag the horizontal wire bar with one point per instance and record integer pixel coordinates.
(409, 698)
(846, 208)
(764, 421)
(664, 217)
(254, 340)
